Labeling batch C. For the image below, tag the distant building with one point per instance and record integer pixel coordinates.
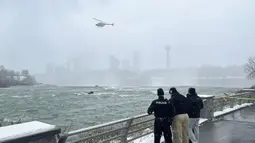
(126, 65)
(114, 63)
(136, 61)
(167, 56)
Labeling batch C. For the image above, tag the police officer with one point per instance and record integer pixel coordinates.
(163, 112)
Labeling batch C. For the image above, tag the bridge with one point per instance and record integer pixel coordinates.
(228, 119)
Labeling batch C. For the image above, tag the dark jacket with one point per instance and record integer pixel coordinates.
(180, 103)
(161, 108)
(196, 104)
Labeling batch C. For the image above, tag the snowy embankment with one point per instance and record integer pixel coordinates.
(150, 138)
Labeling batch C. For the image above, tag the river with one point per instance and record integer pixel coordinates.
(65, 106)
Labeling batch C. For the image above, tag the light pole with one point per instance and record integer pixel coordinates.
(167, 55)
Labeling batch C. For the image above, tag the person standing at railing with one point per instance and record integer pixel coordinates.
(194, 114)
(181, 119)
(163, 112)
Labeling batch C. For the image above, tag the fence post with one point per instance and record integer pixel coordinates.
(222, 103)
(252, 96)
(128, 124)
(239, 101)
(249, 96)
(63, 138)
(232, 102)
(208, 111)
(245, 96)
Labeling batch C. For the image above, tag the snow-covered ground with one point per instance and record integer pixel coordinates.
(150, 138)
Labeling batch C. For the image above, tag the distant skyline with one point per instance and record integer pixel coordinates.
(34, 33)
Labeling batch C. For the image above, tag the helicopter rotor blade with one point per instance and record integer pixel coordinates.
(97, 19)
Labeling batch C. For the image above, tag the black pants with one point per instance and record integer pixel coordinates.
(162, 125)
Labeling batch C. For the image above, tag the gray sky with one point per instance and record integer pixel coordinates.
(36, 32)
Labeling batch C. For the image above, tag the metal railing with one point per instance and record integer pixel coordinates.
(129, 129)
(124, 130)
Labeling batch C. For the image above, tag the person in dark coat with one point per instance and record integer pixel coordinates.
(194, 114)
(181, 118)
(163, 112)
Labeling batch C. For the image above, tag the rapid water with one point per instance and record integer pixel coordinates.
(65, 106)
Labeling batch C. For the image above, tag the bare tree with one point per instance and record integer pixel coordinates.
(12, 78)
(25, 73)
(250, 68)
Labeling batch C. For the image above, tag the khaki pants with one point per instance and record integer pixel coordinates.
(180, 128)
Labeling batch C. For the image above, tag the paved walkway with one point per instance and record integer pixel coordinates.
(238, 127)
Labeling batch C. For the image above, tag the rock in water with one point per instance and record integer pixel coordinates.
(91, 92)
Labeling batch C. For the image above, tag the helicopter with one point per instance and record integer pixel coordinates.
(101, 23)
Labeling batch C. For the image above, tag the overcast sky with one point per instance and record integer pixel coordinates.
(36, 32)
